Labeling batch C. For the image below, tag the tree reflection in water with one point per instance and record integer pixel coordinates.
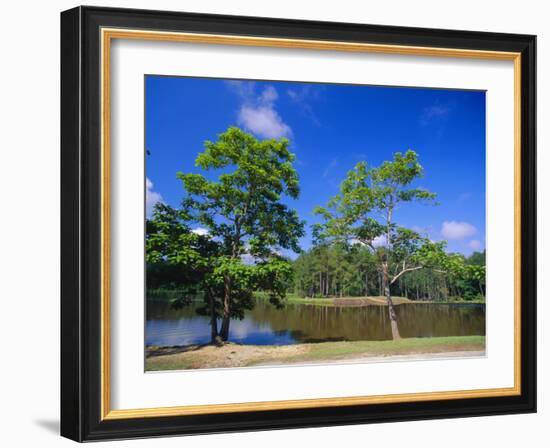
(266, 325)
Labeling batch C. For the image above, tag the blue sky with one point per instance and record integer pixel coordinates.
(331, 127)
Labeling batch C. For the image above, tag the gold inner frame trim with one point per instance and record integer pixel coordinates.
(107, 35)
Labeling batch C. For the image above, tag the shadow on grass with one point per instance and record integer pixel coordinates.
(153, 351)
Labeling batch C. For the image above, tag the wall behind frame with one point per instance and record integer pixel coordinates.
(29, 183)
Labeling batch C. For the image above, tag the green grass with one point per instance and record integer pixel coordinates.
(339, 350)
(294, 299)
(451, 301)
(164, 293)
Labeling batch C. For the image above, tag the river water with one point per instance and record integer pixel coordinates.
(267, 325)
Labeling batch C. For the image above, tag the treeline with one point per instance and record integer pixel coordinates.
(338, 270)
(343, 271)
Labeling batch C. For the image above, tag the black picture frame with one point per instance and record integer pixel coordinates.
(81, 224)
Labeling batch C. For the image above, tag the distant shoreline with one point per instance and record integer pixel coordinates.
(345, 301)
(236, 355)
(373, 300)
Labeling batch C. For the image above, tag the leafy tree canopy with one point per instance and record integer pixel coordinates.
(363, 210)
(245, 202)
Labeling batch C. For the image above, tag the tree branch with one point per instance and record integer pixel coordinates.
(367, 243)
(416, 268)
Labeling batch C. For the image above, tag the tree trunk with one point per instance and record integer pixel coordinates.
(214, 336)
(391, 311)
(224, 331)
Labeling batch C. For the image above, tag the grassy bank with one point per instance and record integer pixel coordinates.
(336, 301)
(363, 301)
(234, 355)
(293, 299)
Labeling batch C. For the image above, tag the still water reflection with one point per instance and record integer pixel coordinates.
(267, 325)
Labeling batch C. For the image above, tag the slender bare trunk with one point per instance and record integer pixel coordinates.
(391, 310)
(385, 277)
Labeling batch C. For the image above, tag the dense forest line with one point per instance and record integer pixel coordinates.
(342, 271)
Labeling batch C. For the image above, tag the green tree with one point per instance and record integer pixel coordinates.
(189, 257)
(477, 258)
(363, 212)
(243, 210)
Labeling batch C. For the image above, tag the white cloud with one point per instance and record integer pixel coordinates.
(475, 245)
(301, 96)
(269, 95)
(248, 259)
(422, 231)
(245, 89)
(200, 231)
(379, 241)
(333, 163)
(303, 92)
(435, 112)
(257, 113)
(457, 230)
(264, 121)
(151, 197)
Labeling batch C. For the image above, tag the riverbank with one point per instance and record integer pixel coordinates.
(235, 355)
(293, 299)
(339, 301)
(369, 300)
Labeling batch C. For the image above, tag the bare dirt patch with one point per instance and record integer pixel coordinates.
(210, 357)
(365, 301)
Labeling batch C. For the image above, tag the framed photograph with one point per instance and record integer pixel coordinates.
(273, 223)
